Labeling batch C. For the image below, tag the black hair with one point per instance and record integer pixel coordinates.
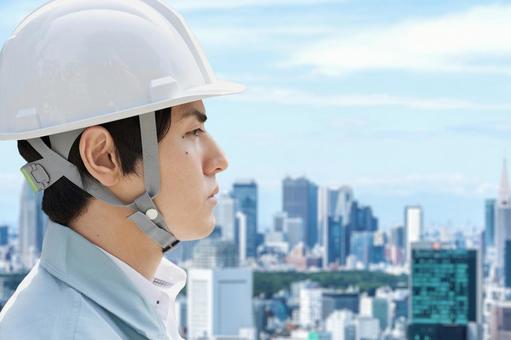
(63, 202)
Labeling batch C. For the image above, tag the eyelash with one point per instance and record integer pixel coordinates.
(194, 132)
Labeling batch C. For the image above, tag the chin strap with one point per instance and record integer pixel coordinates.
(53, 165)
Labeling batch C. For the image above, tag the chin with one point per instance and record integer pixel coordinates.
(201, 230)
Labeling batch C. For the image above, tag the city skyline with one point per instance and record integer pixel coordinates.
(432, 134)
(367, 194)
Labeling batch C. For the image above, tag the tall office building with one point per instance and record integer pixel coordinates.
(502, 220)
(341, 201)
(489, 222)
(361, 219)
(300, 199)
(31, 227)
(507, 264)
(279, 220)
(241, 235)
(362, 246)
(219, 302)
(215, 253)
(335, 208)
(295, 231)
(445, 286)
(244, 194)
(414, 228)
(396, 245)
(335, 242)
(4, 235)
(322, 214)
(225, 216)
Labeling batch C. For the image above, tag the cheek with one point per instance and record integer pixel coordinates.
(182, 181)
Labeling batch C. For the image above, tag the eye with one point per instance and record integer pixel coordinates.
(196, 132)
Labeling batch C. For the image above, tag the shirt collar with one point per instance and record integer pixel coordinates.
(73, 259)
(169, 279)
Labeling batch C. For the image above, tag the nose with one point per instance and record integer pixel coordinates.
(216, 161)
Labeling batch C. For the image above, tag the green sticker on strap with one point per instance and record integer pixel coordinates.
(28, 176)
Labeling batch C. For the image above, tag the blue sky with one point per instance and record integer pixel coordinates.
(408, 102)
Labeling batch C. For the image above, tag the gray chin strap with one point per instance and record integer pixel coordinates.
(53, 165)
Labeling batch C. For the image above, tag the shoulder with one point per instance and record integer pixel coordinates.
(44, 307)
(30, 312)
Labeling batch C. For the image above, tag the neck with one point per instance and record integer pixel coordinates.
(108, 228)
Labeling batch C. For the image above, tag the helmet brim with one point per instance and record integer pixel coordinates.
(217, 88)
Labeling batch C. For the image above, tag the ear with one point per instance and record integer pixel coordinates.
(98, 152)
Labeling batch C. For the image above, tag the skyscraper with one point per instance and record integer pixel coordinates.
(489, 222)
(32, 226)
(219, 302)
(244, 194)
(300, 199)
(340, 202)
(295, 231)
(335, 241)
(397, 245)
(224, 215)
(279, 219)
(215, 253)
(502, 220)
(362, 246)
(335, 205)
(413, 228)
(4, 235)
(445, 286)
(241, 235)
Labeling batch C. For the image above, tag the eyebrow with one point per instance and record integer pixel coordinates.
(201, 116)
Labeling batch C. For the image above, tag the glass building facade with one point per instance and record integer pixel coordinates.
(444, 291)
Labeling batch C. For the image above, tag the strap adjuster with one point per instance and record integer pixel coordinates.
(36, 176)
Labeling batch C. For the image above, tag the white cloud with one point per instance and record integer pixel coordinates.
(299, 97)
(193, 5)
(438, 183)
(463, 42)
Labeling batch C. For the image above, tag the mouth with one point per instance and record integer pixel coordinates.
(215, 191)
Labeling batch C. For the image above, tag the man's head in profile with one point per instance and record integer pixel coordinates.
(105, 99)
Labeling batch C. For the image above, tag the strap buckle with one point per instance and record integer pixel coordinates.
(36, 176)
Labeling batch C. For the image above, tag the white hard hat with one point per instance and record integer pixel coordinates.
(73, 64)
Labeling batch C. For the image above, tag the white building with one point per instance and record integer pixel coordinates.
(341, 325)
(311, 306)
(219, 302)
(241, 222)
(295, 231)
(224, 215)
(367, 328)
(413, 228)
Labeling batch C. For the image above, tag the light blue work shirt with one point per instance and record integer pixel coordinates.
(76, 291)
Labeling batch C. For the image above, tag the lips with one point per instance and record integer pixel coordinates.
(215, 191)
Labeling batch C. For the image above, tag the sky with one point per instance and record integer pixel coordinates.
(408, 102)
